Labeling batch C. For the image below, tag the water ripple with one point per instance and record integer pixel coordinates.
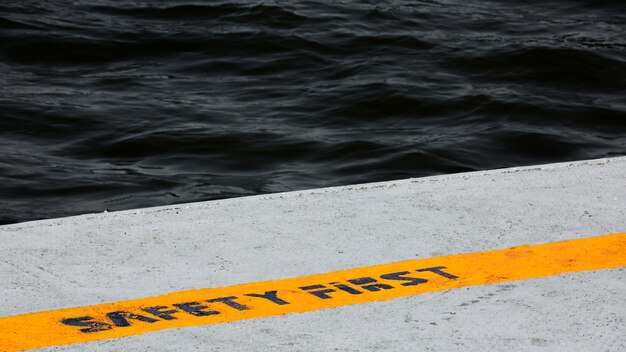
(121, 104)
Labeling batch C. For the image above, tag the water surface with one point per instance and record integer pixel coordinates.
(123, 104)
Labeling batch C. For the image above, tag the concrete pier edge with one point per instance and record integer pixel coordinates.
(108, 257)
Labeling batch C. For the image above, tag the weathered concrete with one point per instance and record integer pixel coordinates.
(132, 254)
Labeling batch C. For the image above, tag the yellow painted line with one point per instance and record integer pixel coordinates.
(308, 293)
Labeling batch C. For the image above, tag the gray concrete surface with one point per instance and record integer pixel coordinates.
(108, 257)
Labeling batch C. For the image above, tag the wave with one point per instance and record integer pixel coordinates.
(121, 104)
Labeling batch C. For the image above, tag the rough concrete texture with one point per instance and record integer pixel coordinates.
(108, 257)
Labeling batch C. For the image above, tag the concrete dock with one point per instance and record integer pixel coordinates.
(100, 260)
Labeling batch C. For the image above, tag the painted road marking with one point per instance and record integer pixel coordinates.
(308, 293)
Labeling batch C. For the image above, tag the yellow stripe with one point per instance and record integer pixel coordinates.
(308, 293)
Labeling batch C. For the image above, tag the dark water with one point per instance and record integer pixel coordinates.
(123, 104)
